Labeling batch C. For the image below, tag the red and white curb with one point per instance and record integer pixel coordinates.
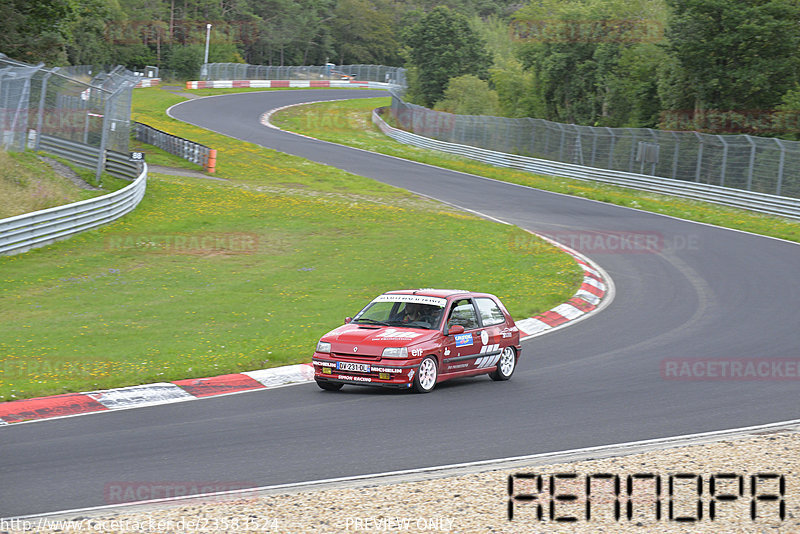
(592, 293)
(595, 291)
(263, 84)
(151, 394)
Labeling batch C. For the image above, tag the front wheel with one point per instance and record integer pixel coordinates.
(426, 376)
(505, 365)
(329, 386)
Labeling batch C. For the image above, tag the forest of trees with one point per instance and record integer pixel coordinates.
(713, 65)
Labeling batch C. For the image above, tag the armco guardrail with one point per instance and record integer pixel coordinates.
(115, 164)
(189, 150)
(760, 202)
(31, 230)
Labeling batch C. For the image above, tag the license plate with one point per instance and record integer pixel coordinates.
(350, 366)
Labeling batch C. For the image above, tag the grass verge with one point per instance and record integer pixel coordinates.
(211, 277)
(349, 123)
(29, 184)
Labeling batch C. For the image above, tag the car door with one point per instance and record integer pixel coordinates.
(461, 350)
(493, 324)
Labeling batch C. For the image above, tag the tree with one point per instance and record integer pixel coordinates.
(363, 32)
(36, 31)
(592, 61)
(443, 46)
(735, 55)
(469, 95)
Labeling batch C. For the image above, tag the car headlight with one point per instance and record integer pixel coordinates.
(322, 346)
(395, 352)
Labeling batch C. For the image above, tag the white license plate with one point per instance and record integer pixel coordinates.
(349, 366)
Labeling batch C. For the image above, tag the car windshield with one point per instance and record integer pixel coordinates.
(411, 311)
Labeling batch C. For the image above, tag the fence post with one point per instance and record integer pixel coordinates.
(675, 155)
(752, 162)
(780, 165)
(101, 157)
(699, 157)
(40, 115)
(596, 132)
(561, 142)
(724, 160)
(611, 148)
(633, 148)
(578, 158)
(657, 149)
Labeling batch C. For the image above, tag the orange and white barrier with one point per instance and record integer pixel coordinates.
(148, 82)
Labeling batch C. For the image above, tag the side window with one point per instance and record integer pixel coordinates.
(463, 313)
(490, 311)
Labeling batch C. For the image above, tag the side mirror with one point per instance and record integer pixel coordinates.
(347, 320)
(453, 330)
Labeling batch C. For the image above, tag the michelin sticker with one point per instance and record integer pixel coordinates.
(463, 340)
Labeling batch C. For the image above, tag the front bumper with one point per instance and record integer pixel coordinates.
(379, 374)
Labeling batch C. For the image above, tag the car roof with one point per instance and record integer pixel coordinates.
(430, 292)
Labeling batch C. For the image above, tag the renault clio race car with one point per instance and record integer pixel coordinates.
(418, 338)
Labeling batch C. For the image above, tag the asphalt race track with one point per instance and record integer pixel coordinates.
(708, 293)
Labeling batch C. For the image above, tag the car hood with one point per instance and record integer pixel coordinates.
(371, 340)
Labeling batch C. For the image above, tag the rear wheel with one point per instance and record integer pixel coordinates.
(426, 377)
(329, 386)
(505, 365)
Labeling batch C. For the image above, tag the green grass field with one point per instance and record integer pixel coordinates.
(349, 123)
(29, 184)
(208, 277)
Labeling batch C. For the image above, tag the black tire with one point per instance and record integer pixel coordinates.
(427, 373)
(505, 365)
(329, 386)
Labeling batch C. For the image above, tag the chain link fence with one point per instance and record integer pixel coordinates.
(65, 104)
(761, 164)
(367, 73)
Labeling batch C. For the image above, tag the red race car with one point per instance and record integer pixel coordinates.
(418, 338)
